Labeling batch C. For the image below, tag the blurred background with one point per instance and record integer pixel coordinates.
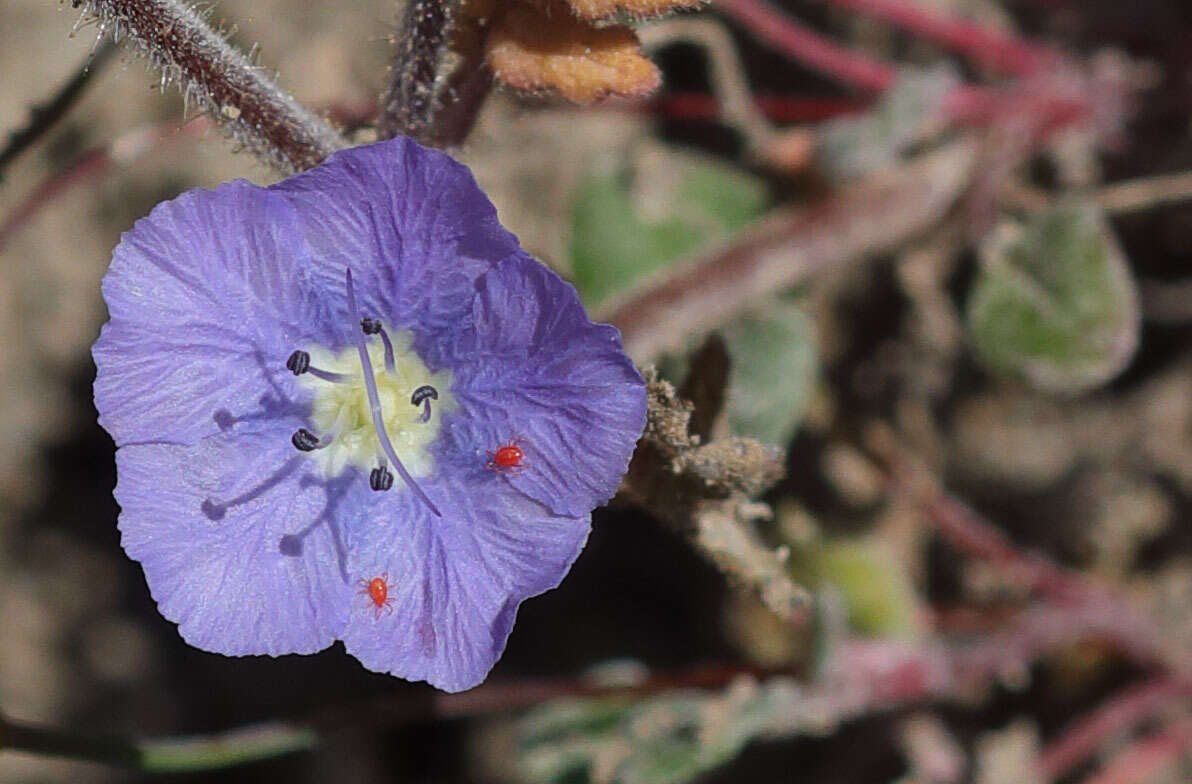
(935, 307)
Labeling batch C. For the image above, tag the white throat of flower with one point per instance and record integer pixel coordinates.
(362, 425)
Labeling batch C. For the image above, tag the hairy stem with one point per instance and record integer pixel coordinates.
(238, 95)
(439, 80)
(788, 247)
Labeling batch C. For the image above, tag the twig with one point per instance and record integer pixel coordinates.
(236, 94)
(1134, 634)
(418, 706)
(970, 534)
(789, 246)
(702, 491)
(865, 676)
(1145, 193)
(1119, 198)
(725, 71)
(43, 116)
(860, 677)
(438, 77)
(783, 109)
(778, 30)
(1144, 759)
(161, 755)
(127, 148)
(1113, 619)
(88, 165)
(869, 676)
(1166, 302)
(276, 738)
(1044, 100)
(724, 534)
(992, 48)
(91, 164)
(1115, 716)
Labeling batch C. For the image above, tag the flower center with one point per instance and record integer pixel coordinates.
(373, 403)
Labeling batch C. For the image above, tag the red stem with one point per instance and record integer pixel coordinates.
(780, 109)
(93, 163)
(1142, 760)
(778, 30)
(968, 532)
(1112, 718)
(991, 48)
(90, 164)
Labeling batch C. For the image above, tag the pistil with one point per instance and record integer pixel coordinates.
(374, 400)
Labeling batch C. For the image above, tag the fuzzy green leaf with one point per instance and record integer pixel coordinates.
(1055, 303)
(774, 368)
(628, 224)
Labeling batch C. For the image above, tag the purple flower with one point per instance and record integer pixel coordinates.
(350, 407)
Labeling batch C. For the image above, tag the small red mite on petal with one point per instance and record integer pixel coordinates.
(507, 458)
(377, 590)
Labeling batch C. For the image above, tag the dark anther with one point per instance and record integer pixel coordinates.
(380, 478)
(370, 326)
(422, 397)
(298, 363)
(424, 392)
(304, 440)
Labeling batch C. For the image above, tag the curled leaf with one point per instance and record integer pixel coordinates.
(910, 111)
(775, 365)
(1055, 303)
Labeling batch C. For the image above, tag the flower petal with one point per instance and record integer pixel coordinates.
(413, 225)
(239, 547)
(454, 582)
(207, 296)
(547, 377)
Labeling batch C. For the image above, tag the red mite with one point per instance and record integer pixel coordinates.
(377, 590)
(507, 458)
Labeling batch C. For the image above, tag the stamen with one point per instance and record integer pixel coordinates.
(299, 363)
(374, 401)
(304, 440)
(422, 396)
(373, 327)
(380, 478)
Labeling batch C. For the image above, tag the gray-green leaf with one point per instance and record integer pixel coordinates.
(665, 205)
(774, 368)
(907, 113)
(1055, 303)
